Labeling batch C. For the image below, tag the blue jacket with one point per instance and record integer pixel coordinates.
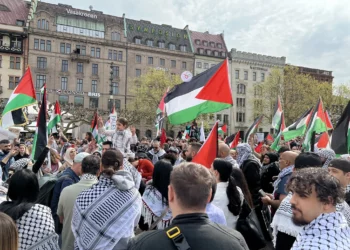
(5, 168)
(67, 178)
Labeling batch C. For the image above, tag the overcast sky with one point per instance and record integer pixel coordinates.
(311, 33)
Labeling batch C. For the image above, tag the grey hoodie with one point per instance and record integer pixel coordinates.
(123, 180)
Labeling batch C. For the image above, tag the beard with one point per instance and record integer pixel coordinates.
(6, 151)
(189, 158)
(299, 221)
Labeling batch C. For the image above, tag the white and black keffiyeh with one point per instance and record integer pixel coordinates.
(328, 231)
(243, 152)
(153, 207)
(156, 156)
(20, 164)
(286, 171)
(89, 177)
(133, 171)
(104, 214)
(36, 229)
(328, 154)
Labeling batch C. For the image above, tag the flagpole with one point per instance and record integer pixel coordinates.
(312, 142)
(217, 139)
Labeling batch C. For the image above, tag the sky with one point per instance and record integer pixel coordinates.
(310, 33)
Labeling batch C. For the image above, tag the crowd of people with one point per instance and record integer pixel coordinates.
(138, 193)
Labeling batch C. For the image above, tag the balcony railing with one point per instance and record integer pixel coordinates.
(79, 57)
(10, 49)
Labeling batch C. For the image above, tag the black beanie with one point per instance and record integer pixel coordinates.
(341, 164)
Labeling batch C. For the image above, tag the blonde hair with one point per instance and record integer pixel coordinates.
(8, 233)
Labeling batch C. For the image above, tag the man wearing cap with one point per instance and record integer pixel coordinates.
(175, 151)
(69, 176)
(90, 167)
(340, 169)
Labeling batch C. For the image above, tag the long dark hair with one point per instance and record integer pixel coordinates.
(241, 182)
(23, 192)
(161, 178)
(234, 200)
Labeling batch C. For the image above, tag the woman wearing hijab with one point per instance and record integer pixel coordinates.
(250, 166)
(68, 159)
(269, 169)
(327, 155)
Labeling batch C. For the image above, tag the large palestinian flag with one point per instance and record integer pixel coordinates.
(276, 120)
(298, 128)
(317, 124)
(341, 134)
(275, 145)
(208, 92)
(55, 117)
(252, 128)
(22, 96)
(40, 138)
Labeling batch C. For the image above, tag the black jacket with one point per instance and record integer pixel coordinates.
(267, 173)
(200, 233)
(251, 171)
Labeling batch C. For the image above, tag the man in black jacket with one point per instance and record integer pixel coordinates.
(189, 192)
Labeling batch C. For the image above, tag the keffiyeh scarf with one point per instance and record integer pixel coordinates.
(88, 177)
(156, 156)
(153, 207)
(328, 154)
(243, 153)
(327, 231)
(286, 171)
(36, 229)
(103, 215)
(135, 174)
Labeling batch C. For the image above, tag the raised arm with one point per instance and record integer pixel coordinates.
(101, 128)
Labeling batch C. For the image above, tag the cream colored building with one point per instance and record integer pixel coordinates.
(248, 70)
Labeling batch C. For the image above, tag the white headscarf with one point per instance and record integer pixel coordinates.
(67, 156)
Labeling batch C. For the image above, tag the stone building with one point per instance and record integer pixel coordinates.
(248, 70)
(13, 45)
(319, 74)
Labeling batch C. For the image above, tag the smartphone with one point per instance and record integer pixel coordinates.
(262, 193)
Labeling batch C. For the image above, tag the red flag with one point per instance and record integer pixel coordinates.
(258, 148)
(235, 141)
(162, 137)
(224, 129)
(269, 137)
(323, 141)
(208, 152)
(328, 120)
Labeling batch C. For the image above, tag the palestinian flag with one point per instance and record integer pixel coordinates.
(323, 140)
(259, 147)
(275, 145)
(341, 134)
(55, 117)
(40, 138)
(253, 128)
(94, 128)
(269, 137)
(223, 129)
(328, 120)
(208, 152)
(22, 96)
(160, 113)
(317, 124)
(208, 92)
(298, 128)
(276, 120)
(233, 140)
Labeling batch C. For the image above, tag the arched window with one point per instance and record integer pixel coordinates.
(240, 88)
(43, 24)
(137, 40)
(148, 133)
(116, 36)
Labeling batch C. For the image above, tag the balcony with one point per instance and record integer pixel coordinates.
(79, 58)
(10, 49)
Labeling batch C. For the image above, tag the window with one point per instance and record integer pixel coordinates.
(240, 89)
(13, 82)
(94, 86)
(183, 48)
(172, 46)
(83, 50)
(258, 105)
(138, 59)
(240, 117)
(206, 65)
(162, 62)
(218, 117)
(110, 54)
(42, 44)
(48, 45)
(240, 102)
(80, 67)
(115, 70)
(208, 52)
(205, 43)
(93, 103)
(16, 42)
(245, 75)
(15, 62)
(223, 54)
(216, 53)
(198, 42)
(78, 101)
(149, 43)
(36, 43)
(80, 85)
(92, 53)
(258, 91)
(212, 44)
(173, 63)
(116, 103)
(116, 36)
(42, 62)
(263, 77)
(68, 48)
(150, 60)
(184, 65)
(98, 52)
(236, 74)
(201, 51)
(120, 55)
(43, 24)
(40, 80)
(115, 88)
(20, 23)
(12, 62)
(161, 45)
(199, 65)
(138, 72)
(254, 76)
(63, 99)
(64, 65)
(64, 83)
(219, 45)
(137, 40)
(95, 69)
(62, 48)
(225, 119)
